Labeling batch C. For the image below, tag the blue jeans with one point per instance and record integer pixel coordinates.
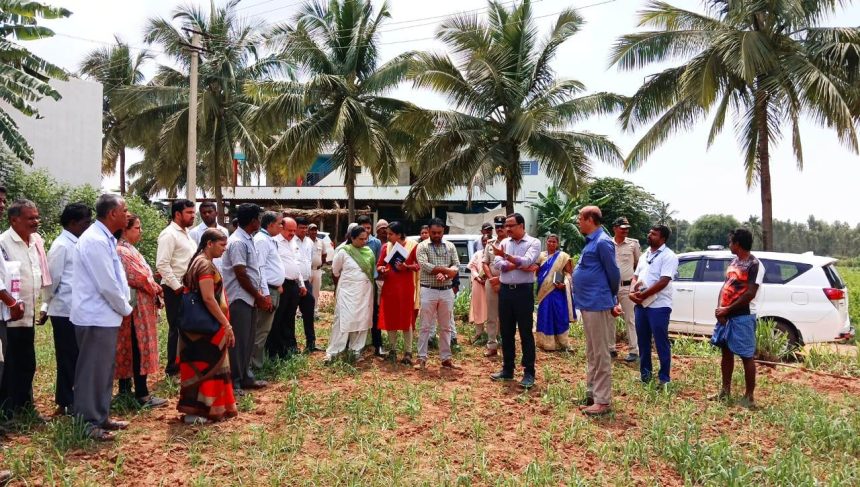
(653, 322)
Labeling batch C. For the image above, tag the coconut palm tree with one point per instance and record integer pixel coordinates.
(114, 67)
(508, 104)
(231, 57)
(768, 61)
(24, 76)
(341, 106)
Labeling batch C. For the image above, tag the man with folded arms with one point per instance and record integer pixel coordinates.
(439, 264)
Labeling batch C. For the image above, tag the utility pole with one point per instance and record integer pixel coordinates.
(191, 179)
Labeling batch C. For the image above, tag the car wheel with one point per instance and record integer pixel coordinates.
(790, 331)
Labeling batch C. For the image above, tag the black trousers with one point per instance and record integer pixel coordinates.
(3, 343)
(141, 389)
(285, 318)
(171, 309)
(516, 308)
(16, 391)
(375, 332)
(66, 351)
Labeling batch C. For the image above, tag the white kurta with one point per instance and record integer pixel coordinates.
(353, 309)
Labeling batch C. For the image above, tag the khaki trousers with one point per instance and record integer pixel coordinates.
(599, 368)
(628, 307)
(492, 317)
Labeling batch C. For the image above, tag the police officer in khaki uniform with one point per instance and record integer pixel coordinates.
(493, 289)
(627, 252)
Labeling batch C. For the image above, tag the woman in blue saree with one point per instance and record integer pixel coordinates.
(555, 310)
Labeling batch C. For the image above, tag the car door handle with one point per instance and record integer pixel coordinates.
(683, 290)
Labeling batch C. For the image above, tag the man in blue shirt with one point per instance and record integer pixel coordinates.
(515, 258)
(595, 286)
(247, 293)
(100, 300)
(57, 300)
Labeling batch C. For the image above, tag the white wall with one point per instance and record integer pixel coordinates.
(67, 140)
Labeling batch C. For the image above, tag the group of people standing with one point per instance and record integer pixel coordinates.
(611, 279)
(103, 301)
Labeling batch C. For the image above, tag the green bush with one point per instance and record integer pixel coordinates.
(462, 303)
(51, 197)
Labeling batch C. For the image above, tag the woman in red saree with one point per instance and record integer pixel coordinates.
(137, 342)
(206, 390)
(397, 304)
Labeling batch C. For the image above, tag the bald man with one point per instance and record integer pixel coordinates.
(596, 279)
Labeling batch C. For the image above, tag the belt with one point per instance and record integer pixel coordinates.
(626, 283)
(443, 288)
(515, 286)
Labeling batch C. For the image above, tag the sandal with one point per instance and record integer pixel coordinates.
(100, 434)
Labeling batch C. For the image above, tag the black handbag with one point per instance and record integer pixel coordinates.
(194, 317)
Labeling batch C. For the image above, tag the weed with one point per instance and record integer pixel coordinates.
(771, 344)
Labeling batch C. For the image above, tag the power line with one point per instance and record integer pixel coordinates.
(404, 41)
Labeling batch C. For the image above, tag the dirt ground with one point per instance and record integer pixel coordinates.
(441, 422)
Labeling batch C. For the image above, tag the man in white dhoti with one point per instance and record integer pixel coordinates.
(352, 268)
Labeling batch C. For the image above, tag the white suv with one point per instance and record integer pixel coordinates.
(802, 293)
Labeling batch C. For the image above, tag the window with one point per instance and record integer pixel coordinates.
(462, 252)
(781, 272)
(687, 270)
(833, 277)
(714, 270)
(529, 168)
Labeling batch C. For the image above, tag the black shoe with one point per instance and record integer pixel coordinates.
(528, 381)
(588, 401)
(613, 354)
(379, 352)
(501, 376)
(631, 357)
(312, 349)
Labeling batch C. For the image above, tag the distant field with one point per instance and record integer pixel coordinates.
(851, 275)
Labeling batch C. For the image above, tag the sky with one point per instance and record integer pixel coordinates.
(683, 172)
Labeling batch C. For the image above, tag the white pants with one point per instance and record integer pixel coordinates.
(436, 306)
(316, 283)
(338, 340)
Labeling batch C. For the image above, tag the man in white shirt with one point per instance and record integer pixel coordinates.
(8, 304)
(57, 301)
(653, 297)
(307, 303)
(321, 253)
(208, 219)
(282, 340)
(20, 243)
(100, 300)
(272, 270)
(175, 249)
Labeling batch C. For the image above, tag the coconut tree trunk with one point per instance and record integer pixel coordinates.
(763, 153)
(122, 170)
(349, 182)
(510, 184)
